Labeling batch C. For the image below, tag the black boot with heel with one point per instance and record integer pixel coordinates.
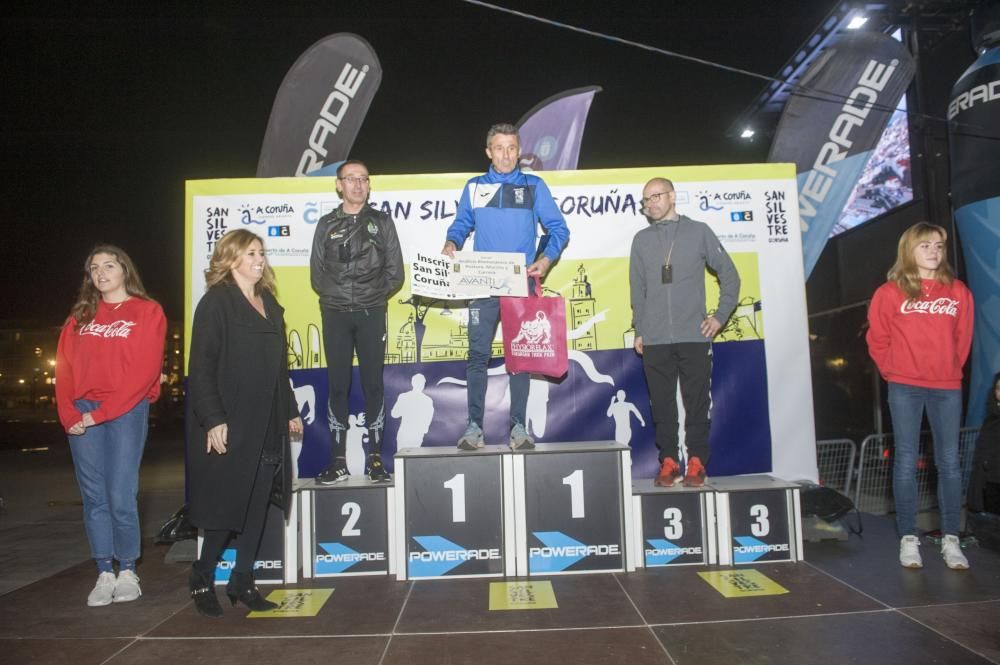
(242, 588)
(203, 593)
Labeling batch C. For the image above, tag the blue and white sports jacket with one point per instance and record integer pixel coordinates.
(502, 209)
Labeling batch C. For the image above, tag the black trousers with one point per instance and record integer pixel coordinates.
(344, 333)
(690, 364)
(216, 540)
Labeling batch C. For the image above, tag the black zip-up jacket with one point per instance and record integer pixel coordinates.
(356, 262)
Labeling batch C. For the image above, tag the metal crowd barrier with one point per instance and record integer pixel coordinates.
(873, 489)
(835, 460)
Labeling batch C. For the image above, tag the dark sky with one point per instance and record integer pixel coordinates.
(106, 113)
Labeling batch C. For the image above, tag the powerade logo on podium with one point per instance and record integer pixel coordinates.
(558, 552)
(350, 532)
(224, 569)
(339, 558)
(441, 556)
(673, 528)
(760, 528)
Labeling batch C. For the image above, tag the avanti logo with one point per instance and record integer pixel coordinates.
(559, 552)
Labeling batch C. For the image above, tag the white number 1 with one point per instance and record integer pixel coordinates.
(457, 486)
(575, 482)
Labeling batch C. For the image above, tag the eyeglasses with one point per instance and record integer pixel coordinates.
(652, 198)
(356, 180)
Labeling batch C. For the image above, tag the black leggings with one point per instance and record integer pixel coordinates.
(215, 540)
(344, 332)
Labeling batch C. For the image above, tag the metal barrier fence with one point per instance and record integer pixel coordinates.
(835, 461)
(873, 489)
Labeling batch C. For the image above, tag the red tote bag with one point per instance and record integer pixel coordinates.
(534, 334)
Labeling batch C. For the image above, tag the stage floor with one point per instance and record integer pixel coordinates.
(849, 602)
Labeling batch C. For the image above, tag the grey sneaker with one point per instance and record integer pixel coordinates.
(520, 439)
(909, 552)
(472, 439)
(103, 591)
(951, 552)
(126, 587)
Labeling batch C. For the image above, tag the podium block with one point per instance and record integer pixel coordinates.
(276, 557)
(675, 526)
(453, 512)
(759, 519)
(571, 510)
(346, 528)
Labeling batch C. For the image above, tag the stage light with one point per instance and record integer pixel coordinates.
(857, 21)
(747, 133)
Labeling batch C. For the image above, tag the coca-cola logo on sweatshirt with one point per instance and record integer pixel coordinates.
(119, 328)
(939, 306)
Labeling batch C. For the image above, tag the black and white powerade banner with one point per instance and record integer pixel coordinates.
(974, 136)
(320, 106)
(833, 121)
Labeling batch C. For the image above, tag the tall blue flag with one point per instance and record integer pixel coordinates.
(320, 106)
(974, 137)
(552, 131)
(832, 123)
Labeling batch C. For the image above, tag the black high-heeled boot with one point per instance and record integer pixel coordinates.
(242, 588)
(203, 592)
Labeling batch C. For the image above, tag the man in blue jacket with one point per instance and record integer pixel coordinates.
(502, 207)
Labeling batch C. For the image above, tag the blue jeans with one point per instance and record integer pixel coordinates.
(944, 411)
(484, 313)
(106, 458)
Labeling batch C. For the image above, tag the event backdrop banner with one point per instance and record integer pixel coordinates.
(762, 393)
(974, 137)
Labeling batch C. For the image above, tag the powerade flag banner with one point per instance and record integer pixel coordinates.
(552, 131)
(974, 135)
(833, 121)
(320, 106)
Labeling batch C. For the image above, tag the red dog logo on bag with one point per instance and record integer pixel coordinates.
(534, 334)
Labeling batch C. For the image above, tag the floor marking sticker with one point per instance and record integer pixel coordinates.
(742, 583)
(522, 596)
(294, 603)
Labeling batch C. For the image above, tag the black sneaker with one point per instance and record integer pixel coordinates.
(334, 473)
(376, 470)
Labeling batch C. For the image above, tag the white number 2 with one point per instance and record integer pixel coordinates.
(353, 511)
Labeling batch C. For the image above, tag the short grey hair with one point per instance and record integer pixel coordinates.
(504, 128)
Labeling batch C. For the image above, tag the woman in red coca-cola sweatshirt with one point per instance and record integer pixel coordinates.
(920, 331)
(107, 373)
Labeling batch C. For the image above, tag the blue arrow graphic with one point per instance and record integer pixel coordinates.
(747, 557)
(438, 561)
(559, 559)
(343, 559)
(222, 572)
(661, 559)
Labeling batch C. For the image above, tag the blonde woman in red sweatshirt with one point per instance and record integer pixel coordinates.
(920, 331)
(107, 373)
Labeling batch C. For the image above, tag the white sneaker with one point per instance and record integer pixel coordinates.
(909, 552)
(951, 552)
(127, 587)
(103, 591)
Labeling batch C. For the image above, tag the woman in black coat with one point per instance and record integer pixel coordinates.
(982, 493)
(241, 412)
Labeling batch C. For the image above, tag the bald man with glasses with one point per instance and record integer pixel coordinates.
(673, 331)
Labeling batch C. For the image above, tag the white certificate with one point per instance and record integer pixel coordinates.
(470, 275)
